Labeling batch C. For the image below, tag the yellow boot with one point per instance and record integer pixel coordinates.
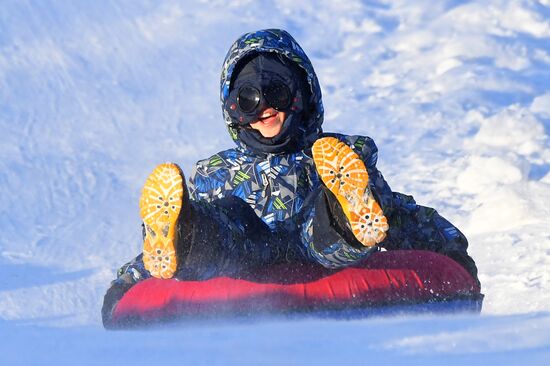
(345, 175)
(160, 205)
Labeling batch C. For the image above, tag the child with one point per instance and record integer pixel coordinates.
(288, 192)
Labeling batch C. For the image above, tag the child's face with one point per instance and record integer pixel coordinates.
(270, 122)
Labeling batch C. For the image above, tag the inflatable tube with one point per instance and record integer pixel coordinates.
(386, 278)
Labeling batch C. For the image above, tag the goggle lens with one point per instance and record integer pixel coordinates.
(277, 95)
(248, 98)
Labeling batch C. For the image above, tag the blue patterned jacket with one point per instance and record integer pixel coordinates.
(276, 186)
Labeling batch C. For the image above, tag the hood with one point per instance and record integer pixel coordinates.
(282, 43)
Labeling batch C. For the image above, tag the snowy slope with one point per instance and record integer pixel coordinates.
(94, 94)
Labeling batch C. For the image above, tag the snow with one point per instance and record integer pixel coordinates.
(94, 94)
(398, 340)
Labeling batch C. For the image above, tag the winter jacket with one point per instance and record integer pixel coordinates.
(277, 186)
(281, 189)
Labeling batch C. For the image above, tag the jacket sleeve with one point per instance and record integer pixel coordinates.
(412, 226)
(133, 271)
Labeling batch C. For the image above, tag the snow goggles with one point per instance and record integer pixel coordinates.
(276, 94)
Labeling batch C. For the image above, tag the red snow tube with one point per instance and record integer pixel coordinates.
(386, 278)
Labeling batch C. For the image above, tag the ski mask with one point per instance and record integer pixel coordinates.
(268, 80)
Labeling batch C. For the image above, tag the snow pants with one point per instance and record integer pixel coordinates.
(225, 237)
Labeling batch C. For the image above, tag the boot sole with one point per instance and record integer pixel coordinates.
(160, 206)
(345, 175)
